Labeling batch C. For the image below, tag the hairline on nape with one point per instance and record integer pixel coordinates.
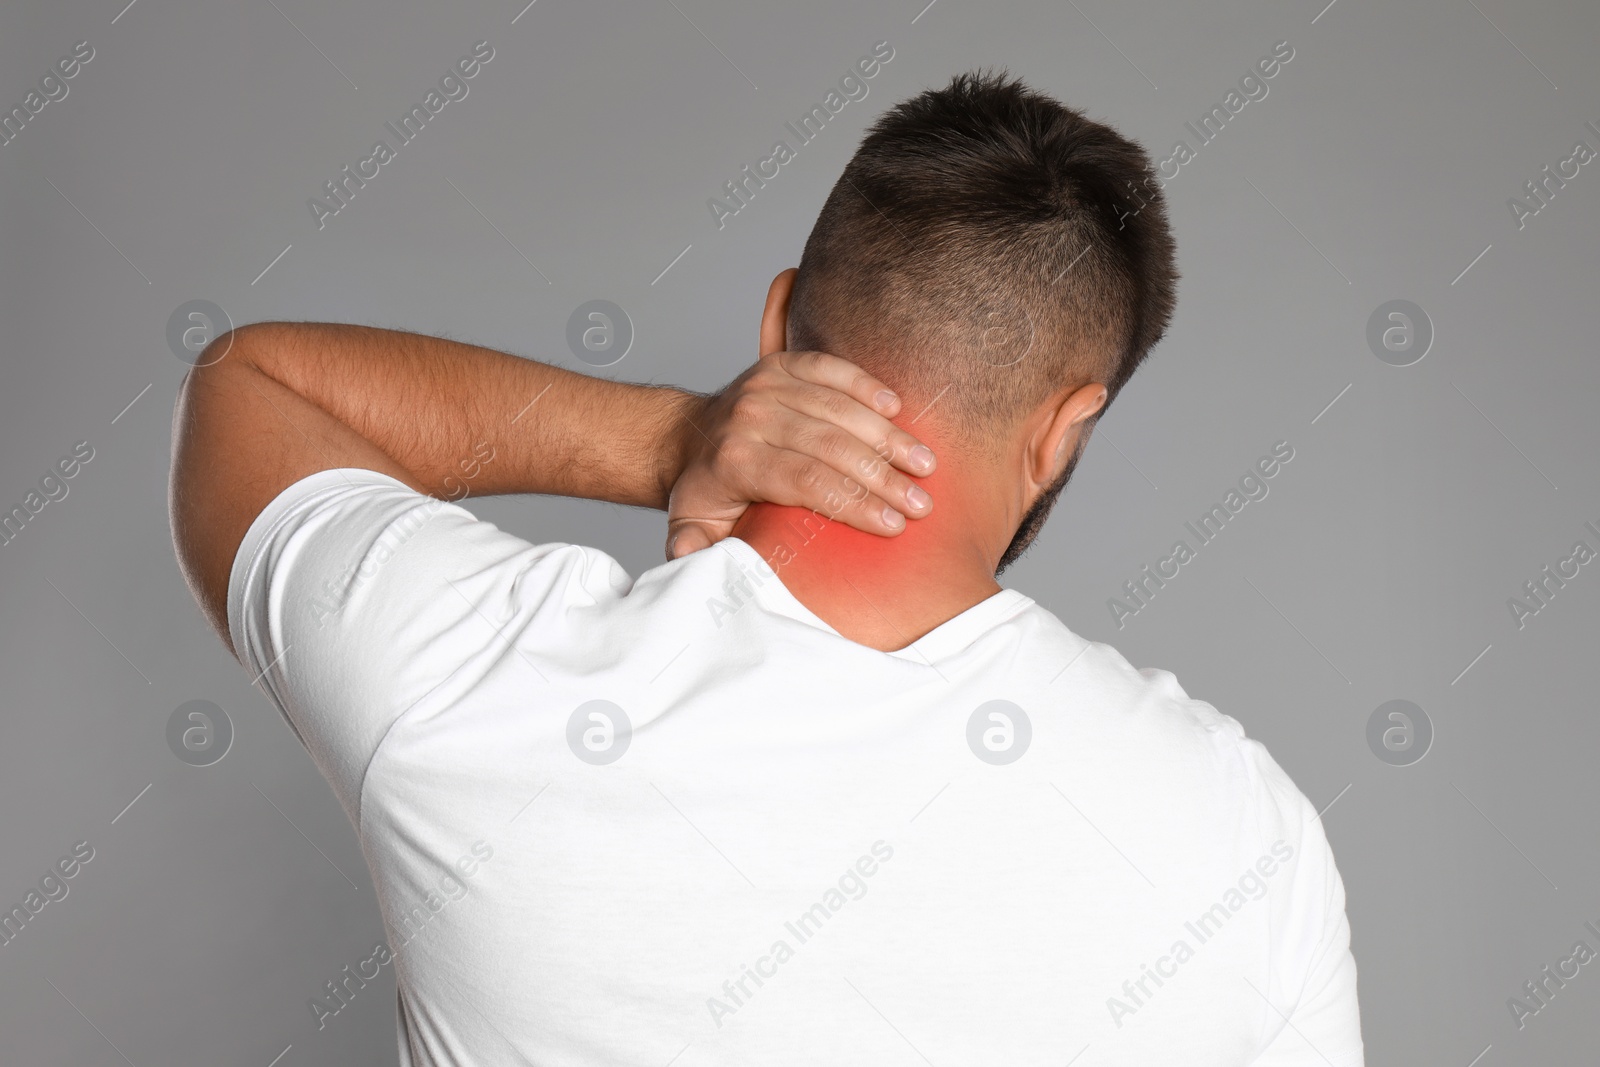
(1078, 333)
(922, 345)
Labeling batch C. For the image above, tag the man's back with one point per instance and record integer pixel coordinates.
(680, 819)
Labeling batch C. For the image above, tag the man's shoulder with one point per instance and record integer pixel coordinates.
(1148, 696)
(1145, 714)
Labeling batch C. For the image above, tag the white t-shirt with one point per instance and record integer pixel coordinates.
(680, 820)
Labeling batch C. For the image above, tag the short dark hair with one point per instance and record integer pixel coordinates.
(989, 242)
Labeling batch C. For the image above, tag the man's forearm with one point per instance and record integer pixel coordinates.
(434, 406)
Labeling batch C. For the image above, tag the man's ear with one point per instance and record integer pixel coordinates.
(1063, 423)
(775, 317)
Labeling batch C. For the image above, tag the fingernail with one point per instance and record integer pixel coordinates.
(922, 457)
(893, 519)
(885, 399)
(671, 544)
(918, 498)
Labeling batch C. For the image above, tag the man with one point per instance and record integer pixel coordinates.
(817, 790)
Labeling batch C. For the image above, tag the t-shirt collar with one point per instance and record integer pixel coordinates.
(944, 640)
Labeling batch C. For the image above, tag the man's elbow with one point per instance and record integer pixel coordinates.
(212, 379)
(210, 409)
(240, 345)
(221, 358)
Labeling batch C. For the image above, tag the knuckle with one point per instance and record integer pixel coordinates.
(756, 378)
(836, 404)
(819, 442)
(809, 365)
(874, 469)
(811, 478)
(746, 407)
(831, 445)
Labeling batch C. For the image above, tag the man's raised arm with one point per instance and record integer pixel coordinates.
(272, 403)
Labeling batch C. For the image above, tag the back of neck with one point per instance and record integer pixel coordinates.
(883, 592)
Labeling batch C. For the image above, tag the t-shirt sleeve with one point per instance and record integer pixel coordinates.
(353, 598)
(1311, 1015)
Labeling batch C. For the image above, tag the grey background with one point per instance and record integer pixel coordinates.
(1379, 567)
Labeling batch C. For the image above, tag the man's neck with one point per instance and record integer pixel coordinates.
(883, 592)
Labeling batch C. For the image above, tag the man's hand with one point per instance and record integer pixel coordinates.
(798, 428)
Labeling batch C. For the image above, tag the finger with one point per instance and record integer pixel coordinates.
(801, 480)
(689, 536)
(832, 372)
(823, 386)
(899, 447)
(850, 457)
(696, 520)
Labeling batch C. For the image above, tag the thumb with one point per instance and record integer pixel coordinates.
(687, 535)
